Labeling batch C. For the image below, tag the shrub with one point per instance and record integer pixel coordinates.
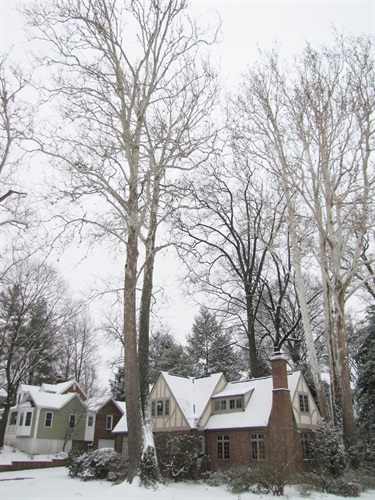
(148, 469)
(179, 455)
(330, 457)
(240, 479)
(347, 485)
(97, 464)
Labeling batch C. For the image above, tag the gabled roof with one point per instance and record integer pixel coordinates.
(122, 425)
(98, 404)
(49, 400)
(27, 388)
(192, 394)
(63, 387)
(258, 409)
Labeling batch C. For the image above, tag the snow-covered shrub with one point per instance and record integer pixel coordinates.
(347, 485)
(97, 464)
(330, 457)
(148, 470)
(179, 455)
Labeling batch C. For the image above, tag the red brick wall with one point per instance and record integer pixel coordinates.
(239, 447)
(32, 464)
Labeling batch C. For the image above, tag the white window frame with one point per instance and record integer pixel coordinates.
(109, 418)
(51, 419)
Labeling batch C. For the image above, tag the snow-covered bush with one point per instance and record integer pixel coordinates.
(347, 485)
(179, 455)
(330, 457)
(98, 464)
(148, 470)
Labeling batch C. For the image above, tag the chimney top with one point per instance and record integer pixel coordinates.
(277, 355)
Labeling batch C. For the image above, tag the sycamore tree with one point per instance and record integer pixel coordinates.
(311, 126)
(17, 216)
(132, 97)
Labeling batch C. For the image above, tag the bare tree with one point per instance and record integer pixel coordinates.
(313, 128)
(133, 99)
(77, 357)
(15, 129)
(230, 229)
(33, 305)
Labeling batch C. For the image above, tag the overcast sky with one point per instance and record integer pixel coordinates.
(246, 24)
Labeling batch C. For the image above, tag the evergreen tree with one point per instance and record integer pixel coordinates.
(211, 349)
(365, 389)
(118, 385)
(168, 355)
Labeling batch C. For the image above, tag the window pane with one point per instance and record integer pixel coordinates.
(109, 422)
(28, 419)
(48, 419)
(223, 447)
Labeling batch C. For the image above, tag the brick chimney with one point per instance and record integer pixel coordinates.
(284, 439)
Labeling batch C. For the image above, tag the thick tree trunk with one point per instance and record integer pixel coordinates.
(132, 391)
(254, 372)
(3, 423)
(296, 262)
(343, 374)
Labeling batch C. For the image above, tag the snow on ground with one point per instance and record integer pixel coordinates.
(9, 454)
(55, 484)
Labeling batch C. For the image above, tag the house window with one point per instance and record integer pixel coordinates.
(109, 422)
(28, 419)
(223, 447)
(161, 407)
(90, 421)
(307, 446)
(72, 421)
(13, 418)
(21, 419)
(257, 447)
(227, 405)
(304, 403)
(48, 419)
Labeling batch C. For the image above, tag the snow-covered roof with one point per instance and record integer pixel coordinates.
(122, 425)
(192, 394)
(28, 388)
(50, 400)
(258, 409)
(57, 388)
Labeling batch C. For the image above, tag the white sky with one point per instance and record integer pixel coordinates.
(246, 24)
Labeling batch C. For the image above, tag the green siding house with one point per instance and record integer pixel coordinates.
(47, 419)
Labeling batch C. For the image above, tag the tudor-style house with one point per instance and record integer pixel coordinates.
(240, 422)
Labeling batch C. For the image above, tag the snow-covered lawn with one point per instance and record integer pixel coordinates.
(55, 484)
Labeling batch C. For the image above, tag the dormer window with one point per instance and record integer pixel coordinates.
(228, 405)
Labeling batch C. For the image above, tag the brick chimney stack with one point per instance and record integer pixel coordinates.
(284, 440)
